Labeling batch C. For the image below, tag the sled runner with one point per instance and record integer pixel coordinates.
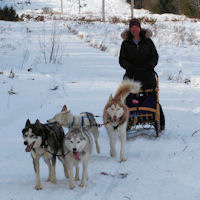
(144, 109)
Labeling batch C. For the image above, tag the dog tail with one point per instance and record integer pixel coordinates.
(127, 86)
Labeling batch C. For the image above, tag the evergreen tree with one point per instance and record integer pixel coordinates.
(137, 3)
(189, 9)
(164, 6)
(8, 14)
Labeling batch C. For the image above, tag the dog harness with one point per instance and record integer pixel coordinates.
(82, 120)
(73, 121)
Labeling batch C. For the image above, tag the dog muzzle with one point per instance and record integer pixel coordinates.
(29, 147)
(76, 155)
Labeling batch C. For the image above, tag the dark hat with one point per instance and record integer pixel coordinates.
(135, 22)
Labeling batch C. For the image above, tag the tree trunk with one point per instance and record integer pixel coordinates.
(103, 10)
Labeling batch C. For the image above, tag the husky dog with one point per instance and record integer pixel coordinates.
(115, 115)
(78, 147)
(84, 120)
(44, 141)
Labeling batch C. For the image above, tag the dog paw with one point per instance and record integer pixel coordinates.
(112, 154)
(122, 160)
(98, 150)
(38, 187)
(53, 180)
(82, 185)
(77, 179)
(66, 175)
(72, 186)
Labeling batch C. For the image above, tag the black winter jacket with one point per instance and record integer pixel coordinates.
(139, 60)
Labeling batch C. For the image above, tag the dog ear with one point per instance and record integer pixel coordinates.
(64, 108)
(110, 98)
(28, 122)
(37, 123)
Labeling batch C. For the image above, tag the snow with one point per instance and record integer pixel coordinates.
(156, 168)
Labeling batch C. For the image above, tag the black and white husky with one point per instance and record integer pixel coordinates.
(43, 140)
(84, 120)
(78, 147)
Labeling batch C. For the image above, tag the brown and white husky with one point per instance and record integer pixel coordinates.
(116, 114)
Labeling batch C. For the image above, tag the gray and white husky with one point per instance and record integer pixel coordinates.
(43, 140)
(77, 147)
(85, 120)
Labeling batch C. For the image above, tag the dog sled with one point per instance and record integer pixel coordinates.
(144, 110)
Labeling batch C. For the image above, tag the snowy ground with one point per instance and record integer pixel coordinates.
(156, 169)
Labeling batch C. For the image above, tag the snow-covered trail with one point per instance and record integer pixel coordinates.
(163, 168)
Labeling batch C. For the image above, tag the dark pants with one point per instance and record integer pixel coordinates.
(146, 77)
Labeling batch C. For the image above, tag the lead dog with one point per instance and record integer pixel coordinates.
(78, 147)
(115, 115)
(84, 120)
(45, 141)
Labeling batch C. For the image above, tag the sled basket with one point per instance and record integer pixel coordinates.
(144, 108)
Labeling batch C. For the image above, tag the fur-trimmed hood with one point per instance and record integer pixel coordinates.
(145, 33)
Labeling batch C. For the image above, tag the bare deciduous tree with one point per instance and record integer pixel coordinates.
(61, 6)
(132, 7)
(103, 10)
(197, 4)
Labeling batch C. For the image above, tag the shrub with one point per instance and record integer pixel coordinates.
(47, 10)
(39, 18)
(114, 20)
(164, 6)
(147, 20)
(8, 14)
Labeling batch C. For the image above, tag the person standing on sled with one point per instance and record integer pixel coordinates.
(138, 56)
